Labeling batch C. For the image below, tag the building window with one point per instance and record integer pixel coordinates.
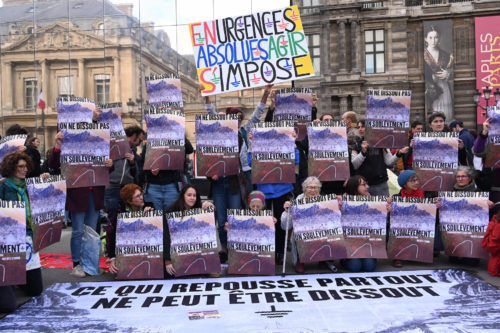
(101, 82)
(30, 93)
(65, 85)
(374, 51)
(309, 3)
(313, 42)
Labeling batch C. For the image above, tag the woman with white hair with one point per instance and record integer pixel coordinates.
(311, 187)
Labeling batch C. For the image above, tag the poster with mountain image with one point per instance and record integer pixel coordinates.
(364, 220)
(273, 153)
(435, 159)
(328, 155)
(217, 152)
(411, 233)
(294, 104)
(47, 200)
(317, 228)
(139, 245)
(75, 110)
(387, 118)
(164, 88)
(250, 242)
(112, 114)
(84, 149)
(10, 144)
(12, 243)
(193, 242)
(166, 135)
(463, 219)
(493, 148)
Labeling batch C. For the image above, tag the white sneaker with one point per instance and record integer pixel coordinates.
(77, 271)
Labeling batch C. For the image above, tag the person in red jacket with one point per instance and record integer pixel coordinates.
(491, 243)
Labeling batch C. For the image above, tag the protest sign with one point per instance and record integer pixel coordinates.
(463, 219)
(84, 149)
(119, 146)
(328, 156)
(411, 233)
(166, 135)
(364, 220)
(294, 104)
(387, 118)
(250, 242)
(193, 242)
(75, 110)
(435, 159)
(273, 153)
(139, 245)
(12, 243)
(354, 302)
(165, 88)
(493, 148)
(249, 51)
(10, 144)
(217, 151)
(317, 229)
(47, 200)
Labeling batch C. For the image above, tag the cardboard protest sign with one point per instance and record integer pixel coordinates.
(193, 242)
(47, 202)
(75, 110)
(435, 159)
(463, 219)
(12, 243)
(328, 157)
(294, 104)
(250, 242)
(493, 148)
(165, 88)
(84, 149)
(411, 233)
(317, 229)
(10, 144)
(166, 135)
(139, 245)
(273, 153)
(119, 146)
(242, 52)
(217, 152)
(387, 118)
(364, 220)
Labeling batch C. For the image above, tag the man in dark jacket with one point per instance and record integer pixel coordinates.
(467, 139)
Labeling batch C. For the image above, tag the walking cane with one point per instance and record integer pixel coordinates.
(286, 241)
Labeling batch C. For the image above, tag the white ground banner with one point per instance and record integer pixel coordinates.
(412, 301)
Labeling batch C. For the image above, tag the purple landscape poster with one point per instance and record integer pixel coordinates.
(119, 146)
(166, 135)
(250, 242)
(328, 155)
(273, 153)
(10, 144)
(411, 233)
(12, 243)
(84, 149)
(294, 104)
(139, 245)
(493, 149)
(47, 200)
(435, 160)
(387, 118)
(317, 229)
(463, 219)
(164, 88)
(75, 110)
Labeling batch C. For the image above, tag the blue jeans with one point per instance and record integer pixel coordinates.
(223, 200)
(161, 196)
(357, 265)
(78, 220)
(112, 201)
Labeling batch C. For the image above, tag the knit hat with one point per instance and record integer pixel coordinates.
(405, 176)
(231, 110)
(257, 195)
(454, 123)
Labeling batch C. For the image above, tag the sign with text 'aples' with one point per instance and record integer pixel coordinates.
(242, 52)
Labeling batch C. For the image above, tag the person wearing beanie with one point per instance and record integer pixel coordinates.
(256, 200)
(410, 184)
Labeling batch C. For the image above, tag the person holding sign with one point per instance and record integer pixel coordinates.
(491, 243)
(14, 168)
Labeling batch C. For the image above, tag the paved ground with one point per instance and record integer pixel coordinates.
(54, 275)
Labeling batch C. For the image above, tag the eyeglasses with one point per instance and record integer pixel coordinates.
(138, 196)
(22, 166)
(313, 187)
(462, 177)
(414, 180)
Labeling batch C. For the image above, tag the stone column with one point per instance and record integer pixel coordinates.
(80, 92)
(116, 78)
(343, 105)
(45, 91)
(7, 87)
(342, 47)
(354, 47)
